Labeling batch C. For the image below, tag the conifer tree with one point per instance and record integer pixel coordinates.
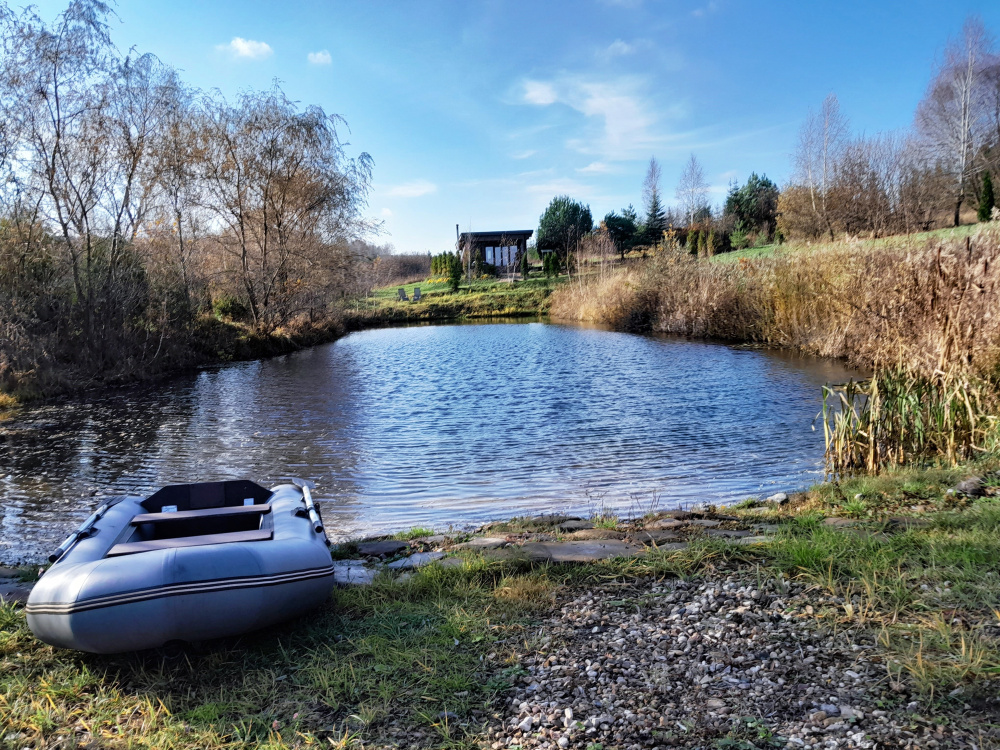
(701, 244)
(710, 243)
(987, 200)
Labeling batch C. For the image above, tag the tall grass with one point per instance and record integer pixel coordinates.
(924, 317)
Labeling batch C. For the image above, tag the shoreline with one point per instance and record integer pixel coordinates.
(802, 621)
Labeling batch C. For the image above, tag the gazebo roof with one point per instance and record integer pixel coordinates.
(510, 234)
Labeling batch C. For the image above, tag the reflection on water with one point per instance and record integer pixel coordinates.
(434, 426)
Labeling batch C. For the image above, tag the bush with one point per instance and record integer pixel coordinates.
(229, 306)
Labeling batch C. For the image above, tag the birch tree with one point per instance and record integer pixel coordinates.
(953, 120)
(822, 140)
(692, 190)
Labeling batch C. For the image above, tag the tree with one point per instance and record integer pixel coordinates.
(623, 229)
(821, 141)
(454, 270)
(986, 199)
(562, 226)
(952, 120)
(755, 205)
(692, 190)
(656, 218)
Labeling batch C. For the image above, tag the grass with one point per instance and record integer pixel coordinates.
(432, 656)
(482, 298)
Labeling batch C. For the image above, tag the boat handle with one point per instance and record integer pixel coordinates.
(84, 531)
(311, 509)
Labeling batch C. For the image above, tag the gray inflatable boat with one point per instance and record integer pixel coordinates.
(189, 563)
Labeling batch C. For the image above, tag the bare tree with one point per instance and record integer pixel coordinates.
(821, 142)
(953, 119)
(692, 190)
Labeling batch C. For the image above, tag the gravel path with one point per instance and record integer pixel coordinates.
(713, 663)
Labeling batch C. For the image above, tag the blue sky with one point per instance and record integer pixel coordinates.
(478, 113)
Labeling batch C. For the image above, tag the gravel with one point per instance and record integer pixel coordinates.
(696, 664)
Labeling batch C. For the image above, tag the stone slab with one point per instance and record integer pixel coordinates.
(729, 533)
(575, 525)
(483, 542)
(551, 519)
(706, 522)
(591, 534)
(14, 591)
(665, 523)
(415, 561)
(752, 540)
(384, 548)
(580, 552)
(353, 573)
(431, 540)
(840, 523)
(656, 537)
(677, 515)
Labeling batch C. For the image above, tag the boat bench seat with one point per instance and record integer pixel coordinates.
(182, 515)
(131, 548)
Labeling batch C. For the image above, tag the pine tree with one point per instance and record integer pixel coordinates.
(656, 216)
(454, 271)
(987, 200)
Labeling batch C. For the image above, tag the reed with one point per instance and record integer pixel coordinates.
(923, 316)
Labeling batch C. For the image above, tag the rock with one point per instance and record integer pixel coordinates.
(525, 725)
(829, 709)
(452, 562)
(970, 487)
(665, 523)
(353, 573)
(817, 716)
(779, 498)
(677, 515)
(715, 703)
(447, 716)
(483, 542)
(580, 552)
(752, 540)
(591, 534)
(551, 520)
(6, 572)
(385, 548)
(575, 525)
(656, 537)
(415, 561)
(563, 742)
(14, 591)
(706, 522)
(729, 533)
(907, 522)
(432, 540)
(767, 528)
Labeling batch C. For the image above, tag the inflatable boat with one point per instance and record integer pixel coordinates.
(191, 562)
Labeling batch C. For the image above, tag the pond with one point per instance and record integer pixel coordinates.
(435, 426)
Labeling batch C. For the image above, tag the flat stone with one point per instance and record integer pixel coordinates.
(430, 540)
(677, 515)
(729, 533)
(551, 519)
(752, 540)
(656, 536)
(452, 562)
(971, 487)
(779, 498)
(670, 546)
(14, 591)
(575, 525)
(6, 572)
(591, 534)
(840, 522)
(483, 542)
(415, 561)
(384, 548)
(767, 528)
(580, 552)
(665, 523)
(706, 522)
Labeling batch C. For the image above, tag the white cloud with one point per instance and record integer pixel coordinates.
(386, 213)
(319, 58)
(618, 48)
(247, 48)
(412, 189)
(596, 167)
(527, 153)
(702, 12)
(539, 92)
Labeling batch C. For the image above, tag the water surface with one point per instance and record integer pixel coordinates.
(433, 426)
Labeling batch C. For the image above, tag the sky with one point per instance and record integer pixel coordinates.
(479, 113)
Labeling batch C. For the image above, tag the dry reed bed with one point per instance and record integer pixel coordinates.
(924, 318)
